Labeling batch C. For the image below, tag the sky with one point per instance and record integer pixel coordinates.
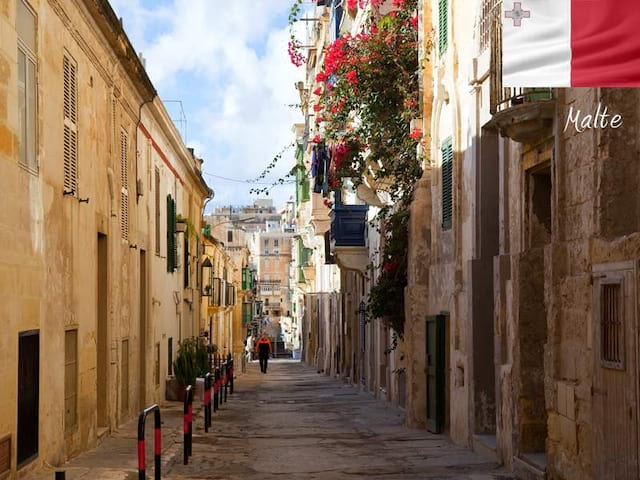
(230, 69)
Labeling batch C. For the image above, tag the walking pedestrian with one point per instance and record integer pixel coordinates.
(263, 348)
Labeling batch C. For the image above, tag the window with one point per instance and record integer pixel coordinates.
(489, 20)
(275, 243)
(443, 33)
(611, 326)
(27, 85)
(230, 236)
(447, 183)
(172, 248)
(70, 379)
(157, 186)
(70, 107)
(124, 178)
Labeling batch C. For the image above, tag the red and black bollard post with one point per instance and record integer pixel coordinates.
(231, 376)
(216, 390)
(157, 444)
(187, 426)
(207, 402)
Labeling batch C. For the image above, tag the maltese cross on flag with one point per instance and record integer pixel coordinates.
(571, 43)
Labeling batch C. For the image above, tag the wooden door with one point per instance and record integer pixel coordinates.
(614, 390)
(435, 373)
(28, 395)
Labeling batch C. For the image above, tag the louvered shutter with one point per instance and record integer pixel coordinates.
(447, 183)
(172, 247)
(70, 141)
(443, 33)
(124, 179)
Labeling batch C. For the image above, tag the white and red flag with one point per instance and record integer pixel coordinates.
(571, 43)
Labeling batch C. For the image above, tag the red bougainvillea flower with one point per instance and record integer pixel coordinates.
(317, 107)
(416, 134)
(321, 77)
(414, 21)
(316, 139)
(352, 4)
(398, 3)
(318, 91)
(352, 77)
(390, 266)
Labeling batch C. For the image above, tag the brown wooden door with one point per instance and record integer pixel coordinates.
(28, 395)
(614, 390)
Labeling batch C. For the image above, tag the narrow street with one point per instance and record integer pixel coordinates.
(293, 423)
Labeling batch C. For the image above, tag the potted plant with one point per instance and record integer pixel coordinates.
(191, 362)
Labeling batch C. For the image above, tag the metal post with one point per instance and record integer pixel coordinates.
(231, 373)
(225, 378)
(216, 387)
(186, 424)
(157, 444)
(207, 402)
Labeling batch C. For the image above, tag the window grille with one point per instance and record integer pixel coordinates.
(612, 326)
(157, 195)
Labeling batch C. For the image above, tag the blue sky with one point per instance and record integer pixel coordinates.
(230, 69)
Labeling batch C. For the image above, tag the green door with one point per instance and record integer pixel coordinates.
(435, 373)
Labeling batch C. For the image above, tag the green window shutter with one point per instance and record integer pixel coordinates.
(172, 246)
(447, 183)
(169, 236)
(443, 32)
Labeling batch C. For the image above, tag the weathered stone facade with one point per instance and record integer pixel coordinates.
(536, 278)
(87, 299)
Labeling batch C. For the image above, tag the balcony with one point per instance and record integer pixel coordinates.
(349, 236)
(524, 115)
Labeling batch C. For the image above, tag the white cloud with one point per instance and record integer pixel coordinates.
(232, 64)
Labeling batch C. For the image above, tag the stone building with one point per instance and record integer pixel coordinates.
(224, 293)
(524, 241)
(98, 281)
(337, 243)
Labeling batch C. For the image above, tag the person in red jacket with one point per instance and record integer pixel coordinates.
(263, 348)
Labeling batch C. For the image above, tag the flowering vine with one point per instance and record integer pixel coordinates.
(366, 97)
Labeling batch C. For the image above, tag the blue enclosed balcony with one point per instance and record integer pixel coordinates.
(349, 225)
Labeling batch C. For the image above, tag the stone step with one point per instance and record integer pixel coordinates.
(530, 466)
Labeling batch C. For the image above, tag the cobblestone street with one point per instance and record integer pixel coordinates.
(292, 423)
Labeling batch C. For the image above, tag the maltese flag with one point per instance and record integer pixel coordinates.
(571, 43)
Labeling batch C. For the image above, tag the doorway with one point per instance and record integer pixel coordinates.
(143, 331)
(102, 332)
(615, 398)
(28, 395)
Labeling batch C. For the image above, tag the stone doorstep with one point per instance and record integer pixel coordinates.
(530, 467)
(486, 446)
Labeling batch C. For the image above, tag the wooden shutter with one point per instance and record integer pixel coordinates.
(447, 183)
(157, 195)
(435, 350)
(70, 111)
(172, 247)
(124, 179)
(443, 33)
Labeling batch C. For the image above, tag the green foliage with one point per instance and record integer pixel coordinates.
(192, 361)
(386, 298)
